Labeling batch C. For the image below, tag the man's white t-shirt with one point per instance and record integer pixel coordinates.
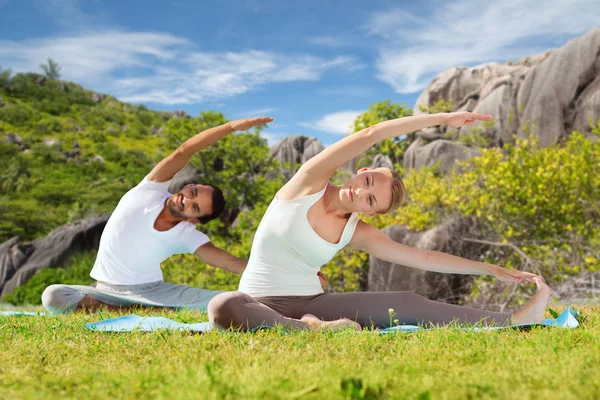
(131, 250)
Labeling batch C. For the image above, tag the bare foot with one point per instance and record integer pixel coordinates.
(533, 311)
(315, 323)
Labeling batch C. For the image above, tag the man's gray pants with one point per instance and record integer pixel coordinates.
(63, 299)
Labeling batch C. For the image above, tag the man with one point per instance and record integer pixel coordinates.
(148, 226)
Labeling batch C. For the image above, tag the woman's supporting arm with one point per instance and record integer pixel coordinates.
(373, 241)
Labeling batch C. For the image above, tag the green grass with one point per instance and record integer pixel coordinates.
(56, 357)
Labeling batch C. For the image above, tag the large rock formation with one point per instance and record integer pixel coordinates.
(444, 153)
(550, 95)
(384, 276)
(295, 150)
(20, 261)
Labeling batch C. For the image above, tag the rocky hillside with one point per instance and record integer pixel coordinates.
(550, 94)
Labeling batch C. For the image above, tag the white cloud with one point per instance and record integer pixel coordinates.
(163, 68)
(469, 32)
(339, 123)
(92, 57)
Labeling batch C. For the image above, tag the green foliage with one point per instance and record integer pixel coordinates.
(76, 272)
(43, 188)
(543, 200)
(440, 106)
(394, 148)
(477, 136)
(52, 69)
(5, 77)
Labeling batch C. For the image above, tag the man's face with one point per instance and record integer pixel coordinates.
(191, 203)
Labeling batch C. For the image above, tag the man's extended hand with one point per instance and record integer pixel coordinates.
(245, 124)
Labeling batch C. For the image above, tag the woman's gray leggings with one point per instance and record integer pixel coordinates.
(241, 311)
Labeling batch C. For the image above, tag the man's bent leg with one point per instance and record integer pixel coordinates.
(61, 299)
(64, 299)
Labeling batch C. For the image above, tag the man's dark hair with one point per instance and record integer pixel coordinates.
(218, 204)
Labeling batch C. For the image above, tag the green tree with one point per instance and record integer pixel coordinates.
(5, 76)
(393, 148)
(52, 69)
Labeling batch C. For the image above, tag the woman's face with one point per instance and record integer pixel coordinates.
(370, 192)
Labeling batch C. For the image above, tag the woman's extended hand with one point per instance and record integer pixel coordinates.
(513, 275)
(462, 118)
(245, 124)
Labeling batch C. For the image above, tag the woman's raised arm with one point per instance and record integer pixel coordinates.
(317, 171)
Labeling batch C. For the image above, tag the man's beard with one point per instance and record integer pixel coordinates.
(173, 209)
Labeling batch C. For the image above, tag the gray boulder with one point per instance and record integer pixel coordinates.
(501, 103)
(382, 161)
(421, 153)
(51, 142)
(156, 131)
(13, 138)
(75, 152)
(562, 93)
(180, 114)
(20, 261)
(98, 159)
(385, 277)
(98, 98)
(312, 147)
(557, 92)
(293, 150)
(296, 149)
(185, 176)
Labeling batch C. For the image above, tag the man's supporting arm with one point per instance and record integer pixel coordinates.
(219, 258)
(168, 167)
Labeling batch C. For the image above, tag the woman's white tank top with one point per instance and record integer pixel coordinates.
(287, 253)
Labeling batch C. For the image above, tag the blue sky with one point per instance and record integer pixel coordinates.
(312, 65)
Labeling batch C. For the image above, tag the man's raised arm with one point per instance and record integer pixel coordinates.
(168, 167)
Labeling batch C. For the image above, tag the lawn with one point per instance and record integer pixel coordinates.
(56, 357)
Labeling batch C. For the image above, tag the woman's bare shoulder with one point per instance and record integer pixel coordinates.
(293, 190)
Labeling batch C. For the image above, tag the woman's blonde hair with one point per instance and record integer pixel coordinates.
(398, 189)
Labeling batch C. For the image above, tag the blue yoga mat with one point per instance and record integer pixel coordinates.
(567, 319)
(128, 323)
(132, 322)
(11, 313)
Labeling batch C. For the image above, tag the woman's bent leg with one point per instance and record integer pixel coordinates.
(372, 308)
(241, 311)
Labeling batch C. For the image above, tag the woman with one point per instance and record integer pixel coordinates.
(310, 219)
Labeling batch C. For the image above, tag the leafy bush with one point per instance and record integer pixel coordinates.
(544, 201)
